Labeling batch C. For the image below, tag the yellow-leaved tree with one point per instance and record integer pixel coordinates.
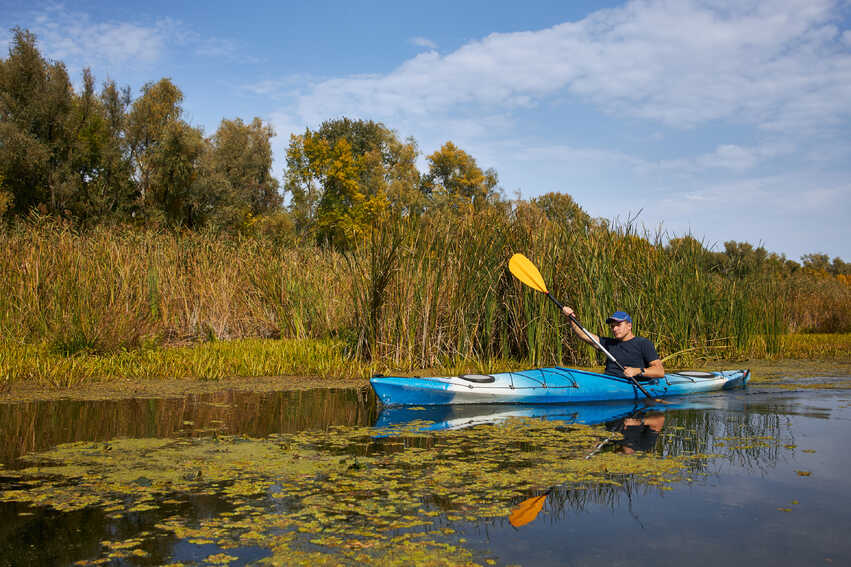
(454, 179)
(347, 176)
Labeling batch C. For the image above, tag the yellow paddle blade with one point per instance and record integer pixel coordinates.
(527, 511)
(525, 271)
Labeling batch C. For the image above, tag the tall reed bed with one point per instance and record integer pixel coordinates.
(819, 303)
(113, 289)
(451, 298)
(417, 293)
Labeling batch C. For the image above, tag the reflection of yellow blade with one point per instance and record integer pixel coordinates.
(527, 511)
(525, 271)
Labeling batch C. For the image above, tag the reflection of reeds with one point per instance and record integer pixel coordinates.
(36, 426)
(434, 292)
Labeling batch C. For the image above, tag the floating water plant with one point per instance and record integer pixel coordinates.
(321, 497)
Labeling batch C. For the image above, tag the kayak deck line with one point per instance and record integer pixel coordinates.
(545, 385)
(540, 384)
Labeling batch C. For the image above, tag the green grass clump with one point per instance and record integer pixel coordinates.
(207, 361)
(823, 346)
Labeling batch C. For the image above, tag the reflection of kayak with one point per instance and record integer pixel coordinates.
(468, 415)
(449, 416)
(545, 386)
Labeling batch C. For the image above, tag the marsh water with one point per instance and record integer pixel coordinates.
(755, 476)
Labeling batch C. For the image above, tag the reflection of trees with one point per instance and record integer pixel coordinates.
(36, 426)
(748, 439)
(564, 501)
(78, 535)
(752, 439)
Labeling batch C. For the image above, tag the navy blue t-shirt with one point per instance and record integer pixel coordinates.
(637, 352)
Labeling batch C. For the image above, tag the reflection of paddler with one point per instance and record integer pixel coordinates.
(639, 432)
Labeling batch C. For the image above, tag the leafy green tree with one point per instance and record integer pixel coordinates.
(816, 262)
(454, 177)
(98, 169)
(838, 267)
(150, 117)
(36, 99)
(742, 258)
(173, 193)
(388, 163)
(166, 153)
(560, 208)
(114, 192)
(242, 155)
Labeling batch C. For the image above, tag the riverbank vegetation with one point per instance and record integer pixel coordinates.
(125, 302)
(133, 245)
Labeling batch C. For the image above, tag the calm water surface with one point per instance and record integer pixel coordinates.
(778, 492)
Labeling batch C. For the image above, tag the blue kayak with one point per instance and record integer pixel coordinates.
(545, 386)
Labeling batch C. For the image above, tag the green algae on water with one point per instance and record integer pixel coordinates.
(344, 494)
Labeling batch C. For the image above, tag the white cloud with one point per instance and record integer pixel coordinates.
(64, 35)
(423, 42)
(730, 157)
(76, 39)
(775, 196)
(290, 85)
(775, 65)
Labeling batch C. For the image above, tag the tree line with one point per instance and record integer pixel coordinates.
(101, 156)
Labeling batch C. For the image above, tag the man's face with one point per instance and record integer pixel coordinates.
(620, 329)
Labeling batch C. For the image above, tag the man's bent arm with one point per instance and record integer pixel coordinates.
(568, 312)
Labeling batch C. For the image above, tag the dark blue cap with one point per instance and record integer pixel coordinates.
(619, 316)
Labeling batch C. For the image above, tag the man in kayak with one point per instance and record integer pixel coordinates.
(636, 354)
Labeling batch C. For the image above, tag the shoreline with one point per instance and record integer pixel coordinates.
(23, 392)
(764, 372)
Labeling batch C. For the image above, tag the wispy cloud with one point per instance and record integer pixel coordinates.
(726, 157)
(773, 196)
(729, 157)
(570, 156)
(64, 35)
(423, 42)
(75, 37)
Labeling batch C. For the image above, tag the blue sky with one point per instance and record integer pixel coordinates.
(726, 120)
